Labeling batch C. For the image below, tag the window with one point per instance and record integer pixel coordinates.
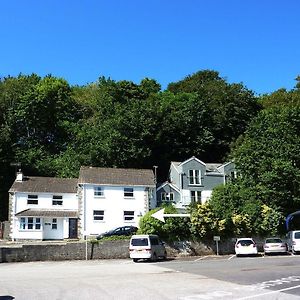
(23, 223)
(37, 223)
(194, 177)
(128, 192)
(57, 200)
(54, 224)
(167, 197)
(196, 196)
(98, 191)
(128, 215)
(32, 199)
(30, 223)
(98, 215)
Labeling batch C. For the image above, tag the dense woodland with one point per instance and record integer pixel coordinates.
(52, 128)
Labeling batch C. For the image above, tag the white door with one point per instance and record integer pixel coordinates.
(53, 229)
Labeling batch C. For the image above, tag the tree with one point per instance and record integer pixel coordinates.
(204, 223)
(268, 157)
(230, 108)
(173, 229)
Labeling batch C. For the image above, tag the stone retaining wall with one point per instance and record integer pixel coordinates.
(80, 250)
(63, 251)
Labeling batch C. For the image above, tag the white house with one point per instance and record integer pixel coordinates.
(43, 208)
(47, 208)
(112, 197)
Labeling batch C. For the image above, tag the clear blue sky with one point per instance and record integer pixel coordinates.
(255, 42)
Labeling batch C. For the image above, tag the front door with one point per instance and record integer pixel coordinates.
(73, 234)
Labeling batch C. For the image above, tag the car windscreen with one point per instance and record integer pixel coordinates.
(273, 241)
(139, 242)
(245, 242)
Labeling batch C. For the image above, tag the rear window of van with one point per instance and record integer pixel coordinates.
(297, 235)
(139, 242)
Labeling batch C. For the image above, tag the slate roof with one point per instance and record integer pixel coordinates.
(115, 176)
(210, 167)
(32, 184)
(48, 213)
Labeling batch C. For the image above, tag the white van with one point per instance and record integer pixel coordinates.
(146, 246)
(293, 241)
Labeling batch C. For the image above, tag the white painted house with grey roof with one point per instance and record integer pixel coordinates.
(43, 208)
(112, 197)
(47, 208)
(193, 181)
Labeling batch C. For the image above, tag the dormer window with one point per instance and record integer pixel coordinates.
(194, 177)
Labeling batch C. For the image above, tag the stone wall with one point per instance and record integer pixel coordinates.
(46, 251)
(63, 251)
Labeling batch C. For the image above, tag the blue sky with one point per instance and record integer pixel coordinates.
(254, 42)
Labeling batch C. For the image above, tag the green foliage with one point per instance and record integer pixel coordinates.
(171, 230)
(242, 225)
(268, 157)
(272, 220)
(53, 129)
(204, 223)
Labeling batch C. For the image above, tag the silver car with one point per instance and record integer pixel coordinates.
(274, 245)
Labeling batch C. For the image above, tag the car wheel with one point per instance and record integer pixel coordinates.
(135, 260)
(165, 255)
(154, 257)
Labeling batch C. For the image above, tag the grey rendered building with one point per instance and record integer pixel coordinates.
(193, 181)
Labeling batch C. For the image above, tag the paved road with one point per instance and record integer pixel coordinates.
(220, 278)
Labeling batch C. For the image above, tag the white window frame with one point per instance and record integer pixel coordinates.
(128, 192)
(26, 222)
(98, 191)
(196, 196)
(32, 198)
(167, 197)
(98, 215)
(22, 223)
(54, 224)
(128, 215)
(194, 177)
(57, 200)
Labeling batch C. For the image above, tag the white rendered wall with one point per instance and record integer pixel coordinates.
(19, 202)
(114, 204)
(45, 201)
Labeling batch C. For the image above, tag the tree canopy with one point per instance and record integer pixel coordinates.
(52, 128)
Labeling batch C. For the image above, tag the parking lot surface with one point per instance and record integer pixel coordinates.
(275, 277)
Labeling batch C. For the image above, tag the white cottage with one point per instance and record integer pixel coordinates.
(43, 208)
(112, 197)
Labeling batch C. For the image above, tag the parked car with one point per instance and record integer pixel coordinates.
(293, 241)
(148, 247)
(274, 245)
(124, 230)
(245, 246)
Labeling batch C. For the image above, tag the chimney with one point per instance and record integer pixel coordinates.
(20, 176)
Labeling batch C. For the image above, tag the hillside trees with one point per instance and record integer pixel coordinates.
(52, 128)
(267, 159)
(230, 107)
